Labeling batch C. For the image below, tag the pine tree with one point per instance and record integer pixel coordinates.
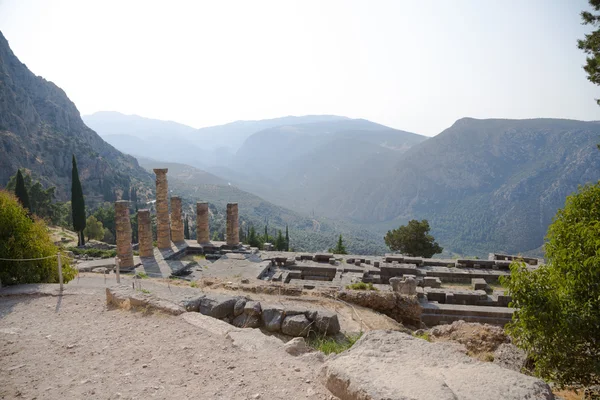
(21, 192)
(77, 203)
(339, 248)
(186, 228)
(280, 242)
(266, 234)
(287, 239)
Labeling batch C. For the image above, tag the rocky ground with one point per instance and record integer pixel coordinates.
(74, 347)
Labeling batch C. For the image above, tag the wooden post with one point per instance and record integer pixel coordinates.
(118, 265)
(60, 276)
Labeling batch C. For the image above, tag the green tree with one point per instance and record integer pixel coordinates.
(134, 227)
(42, 200)
(21, 192)
(591, 44)
(93, 229)
(186, 228)
(413, 240)
(125, 195)
(280, 242)
(22, 238)
(77, 203)
(339, 248)
(253, 239)
(106, 214)
(287, 239)
(557, 317)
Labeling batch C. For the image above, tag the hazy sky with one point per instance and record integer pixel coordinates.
(412, 65)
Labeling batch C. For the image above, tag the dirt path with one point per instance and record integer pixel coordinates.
(73, 347)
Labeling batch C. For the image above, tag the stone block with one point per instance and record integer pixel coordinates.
(272, 317)
(479, 283)
(296, 325)
(432, 281)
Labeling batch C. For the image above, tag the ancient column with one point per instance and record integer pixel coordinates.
(202, 231)
(145, 233)
(233, 228)
(176, 220)
(163, 231)
(123, 224)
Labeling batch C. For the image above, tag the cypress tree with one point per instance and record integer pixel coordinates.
(287, 239)
(266, 235)
(21, 192)
(125, 195)
(186, 228)
(77, 203)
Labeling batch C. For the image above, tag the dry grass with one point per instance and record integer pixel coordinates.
(569, 394)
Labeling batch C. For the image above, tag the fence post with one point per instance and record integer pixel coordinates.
(60, 276)
(118, 265)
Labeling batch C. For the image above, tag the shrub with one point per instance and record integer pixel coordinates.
(23, 238)
(557, 320)
(361, 286)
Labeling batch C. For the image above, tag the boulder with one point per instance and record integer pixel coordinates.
(246, 321)
(296, 347)
(238, 308)
(217, 306)
(326, 322)
(507, 355)
(401, 366)
(252, 308)
(295, 325)
(272, 317)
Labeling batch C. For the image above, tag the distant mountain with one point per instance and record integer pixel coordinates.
(115, 123)
(293, 164)
(306, 233)
(484, 185)
(173, 142)
(40, 130)
(234, 134)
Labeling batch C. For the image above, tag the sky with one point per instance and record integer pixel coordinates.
(412, 65)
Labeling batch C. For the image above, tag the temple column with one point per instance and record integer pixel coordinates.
(145, 233)
(163, 231)
(233, 228)
(176, 220)
(123, 225)
(202, 230)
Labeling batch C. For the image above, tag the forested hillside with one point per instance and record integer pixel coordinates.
(484, 185)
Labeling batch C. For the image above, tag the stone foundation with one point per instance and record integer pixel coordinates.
(123, 225)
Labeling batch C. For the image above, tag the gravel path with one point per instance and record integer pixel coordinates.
(73, 347)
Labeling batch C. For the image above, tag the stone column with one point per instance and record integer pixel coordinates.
(163, 231)
(202, 231)
(145, 233)
(123, 225)
(233, 228)
(176, 220)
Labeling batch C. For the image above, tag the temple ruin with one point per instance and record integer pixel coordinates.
(162, 209)
(123, 239)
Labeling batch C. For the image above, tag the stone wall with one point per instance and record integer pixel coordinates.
(404, 309)
(123, 227)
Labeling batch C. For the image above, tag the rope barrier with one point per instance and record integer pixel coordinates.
(27, 259)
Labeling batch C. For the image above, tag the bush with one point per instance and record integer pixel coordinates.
(22, 238)
(361, 286)
(96, 253)
(558, 305)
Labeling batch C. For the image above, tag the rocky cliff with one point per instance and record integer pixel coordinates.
(40, 130)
